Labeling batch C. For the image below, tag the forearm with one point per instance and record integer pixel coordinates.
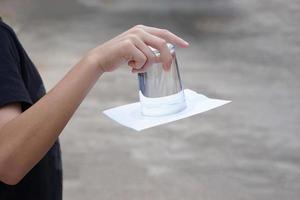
(26, 138)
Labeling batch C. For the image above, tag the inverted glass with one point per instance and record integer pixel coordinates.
(161, 92)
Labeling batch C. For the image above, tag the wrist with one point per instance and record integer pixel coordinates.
(94, 61)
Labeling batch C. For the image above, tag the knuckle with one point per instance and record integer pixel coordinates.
(143, 60)
(132, 37)
(165, 31)
(139, 26)
(138, 29)
(127, 43)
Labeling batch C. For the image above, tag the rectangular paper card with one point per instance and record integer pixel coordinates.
(130, 115)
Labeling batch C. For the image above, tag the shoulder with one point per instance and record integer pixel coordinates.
(8, 46)
(6, 35)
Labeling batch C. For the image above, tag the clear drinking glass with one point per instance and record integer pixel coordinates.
(161, 91)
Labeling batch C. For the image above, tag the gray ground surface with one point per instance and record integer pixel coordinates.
(247, 51)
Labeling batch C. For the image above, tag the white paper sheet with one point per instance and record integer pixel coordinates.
(130, 115)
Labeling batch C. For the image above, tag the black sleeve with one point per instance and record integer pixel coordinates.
(12, 88)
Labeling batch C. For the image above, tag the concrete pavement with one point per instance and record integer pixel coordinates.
(247, 51)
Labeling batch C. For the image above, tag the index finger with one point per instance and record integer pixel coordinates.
(167, 35)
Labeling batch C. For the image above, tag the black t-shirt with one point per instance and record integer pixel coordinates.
(21, 82)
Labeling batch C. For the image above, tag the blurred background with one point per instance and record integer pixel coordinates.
(247, 51)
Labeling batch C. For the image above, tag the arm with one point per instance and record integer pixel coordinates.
(26, 137)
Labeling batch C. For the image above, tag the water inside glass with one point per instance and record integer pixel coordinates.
(161, 91)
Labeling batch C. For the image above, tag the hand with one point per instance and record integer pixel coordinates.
(131, 47)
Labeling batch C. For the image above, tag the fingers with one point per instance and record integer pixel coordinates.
(166, 35)
(150, 57)
(140, 56)
(161, 46)
(135, 58)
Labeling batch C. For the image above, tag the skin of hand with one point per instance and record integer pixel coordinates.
(132, 47)
(27, 136)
